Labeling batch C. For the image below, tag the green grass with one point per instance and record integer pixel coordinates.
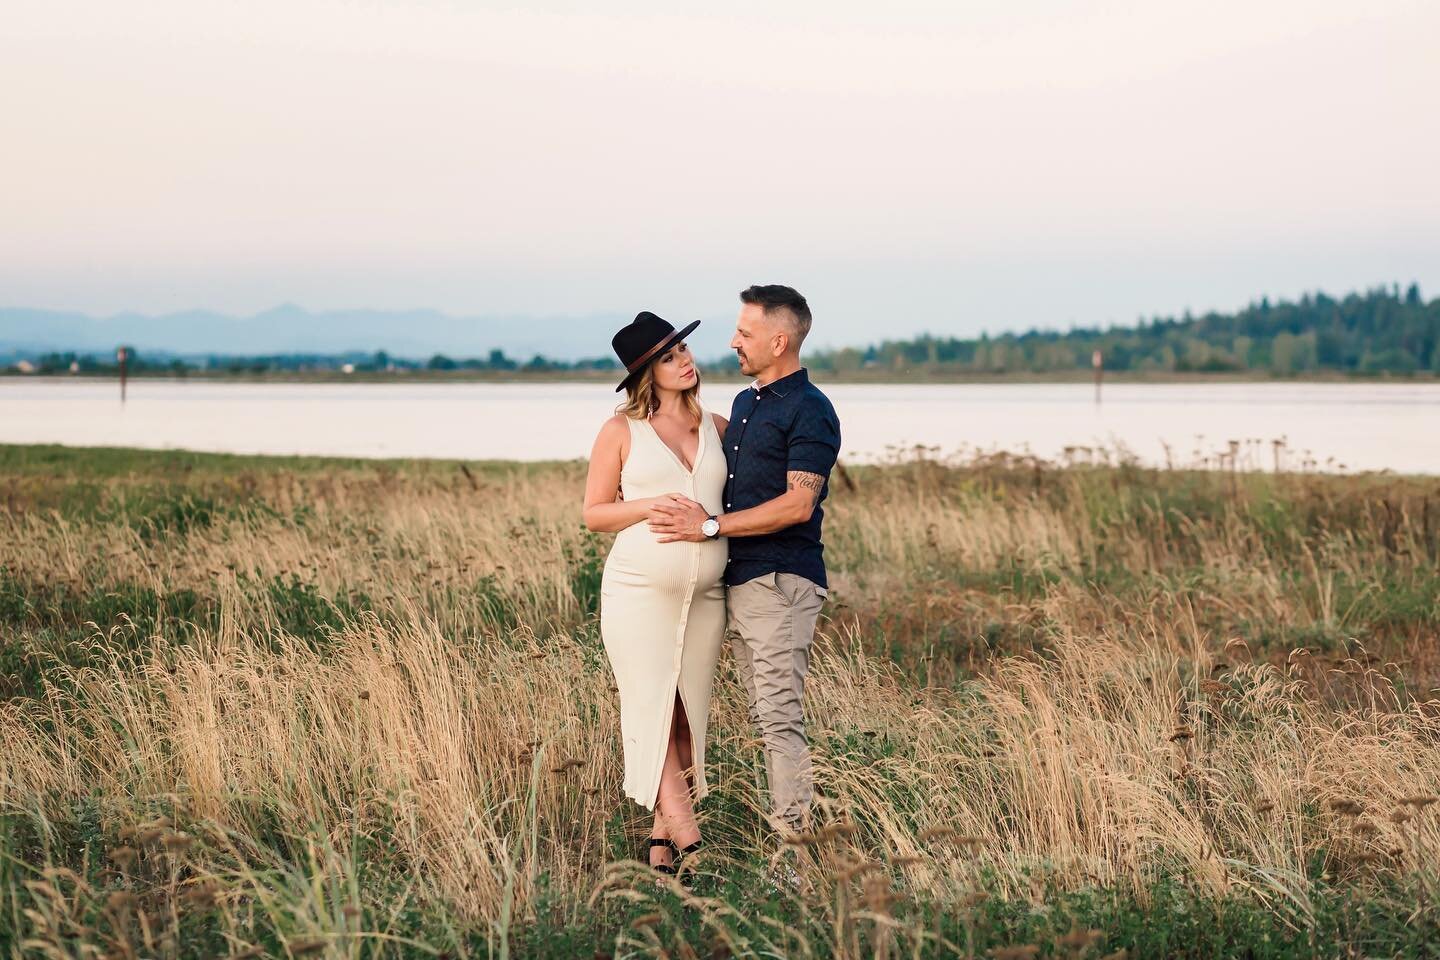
(1358, 540)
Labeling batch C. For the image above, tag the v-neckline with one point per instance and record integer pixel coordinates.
(699, 446)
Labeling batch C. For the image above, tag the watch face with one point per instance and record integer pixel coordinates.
(710, 527)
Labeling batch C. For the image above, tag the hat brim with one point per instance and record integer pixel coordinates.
(665, 345)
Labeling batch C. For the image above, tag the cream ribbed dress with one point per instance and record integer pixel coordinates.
(662, 609)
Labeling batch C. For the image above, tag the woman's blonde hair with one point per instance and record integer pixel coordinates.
(641, 396)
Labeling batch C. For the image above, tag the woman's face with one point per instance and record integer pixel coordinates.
(675, 370)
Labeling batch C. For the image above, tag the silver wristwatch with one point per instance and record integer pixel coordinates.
(711, 528)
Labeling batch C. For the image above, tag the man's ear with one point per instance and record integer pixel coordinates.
(780, 343)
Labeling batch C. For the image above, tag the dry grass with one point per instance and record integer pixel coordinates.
(1030, 681)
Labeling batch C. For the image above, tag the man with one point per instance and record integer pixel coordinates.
(781, 442)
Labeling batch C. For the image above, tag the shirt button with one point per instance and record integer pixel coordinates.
(732, 476)
(727, 506)
(744, 419)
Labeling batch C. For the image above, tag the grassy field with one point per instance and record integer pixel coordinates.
(298, 707)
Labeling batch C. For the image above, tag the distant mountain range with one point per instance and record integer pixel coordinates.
(1380, 331)
(292, 329)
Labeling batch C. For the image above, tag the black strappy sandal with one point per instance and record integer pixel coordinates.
(681, 856)
(666, 868)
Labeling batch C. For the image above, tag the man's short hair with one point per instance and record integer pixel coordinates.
(779, 300)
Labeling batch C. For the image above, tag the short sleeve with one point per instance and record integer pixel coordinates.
(814, 438)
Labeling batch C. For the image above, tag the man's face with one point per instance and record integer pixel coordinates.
(755, 340)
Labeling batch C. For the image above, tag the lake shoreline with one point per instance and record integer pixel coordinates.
(887, 378)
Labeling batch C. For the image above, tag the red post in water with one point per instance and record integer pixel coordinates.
(1098, 362)
(121, 355)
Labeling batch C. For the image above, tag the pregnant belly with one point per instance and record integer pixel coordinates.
(638, 559)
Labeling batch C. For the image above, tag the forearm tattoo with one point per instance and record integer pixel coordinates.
(800, 480)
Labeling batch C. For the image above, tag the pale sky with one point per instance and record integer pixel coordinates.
(945, 166)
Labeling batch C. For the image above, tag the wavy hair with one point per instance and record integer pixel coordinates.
(641, 396)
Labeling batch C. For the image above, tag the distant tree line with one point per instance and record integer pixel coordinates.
(1380, 331)
(379, 361)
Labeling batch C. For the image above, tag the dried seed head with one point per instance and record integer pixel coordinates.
(858, 868)
(879, 898)
(646, 920)
(1419, 802)
(121, 901)
(1346, 808)
(177, 842)
(1025, 951)
(124, 856)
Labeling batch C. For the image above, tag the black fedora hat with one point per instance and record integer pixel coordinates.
(642, 340)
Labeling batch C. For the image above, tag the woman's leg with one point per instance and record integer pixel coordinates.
(680, 736)
(683, 749)
(674, 801)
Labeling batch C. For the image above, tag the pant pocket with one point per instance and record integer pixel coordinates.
(795, 588)
(771, 582)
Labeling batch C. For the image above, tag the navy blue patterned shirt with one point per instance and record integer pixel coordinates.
(785, 425)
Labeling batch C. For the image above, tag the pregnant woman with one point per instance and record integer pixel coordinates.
(662, 605)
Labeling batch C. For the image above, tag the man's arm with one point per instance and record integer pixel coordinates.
(814, 446)
(681, 519)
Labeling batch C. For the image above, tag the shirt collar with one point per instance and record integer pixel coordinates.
(785, 384)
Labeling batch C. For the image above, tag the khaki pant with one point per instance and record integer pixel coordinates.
(771, 622)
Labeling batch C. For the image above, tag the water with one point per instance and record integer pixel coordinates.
(1349, 427)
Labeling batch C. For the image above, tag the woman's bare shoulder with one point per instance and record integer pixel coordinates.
(615, 428)
(614, 434)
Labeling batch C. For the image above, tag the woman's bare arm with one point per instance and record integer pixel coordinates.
(604, 511)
